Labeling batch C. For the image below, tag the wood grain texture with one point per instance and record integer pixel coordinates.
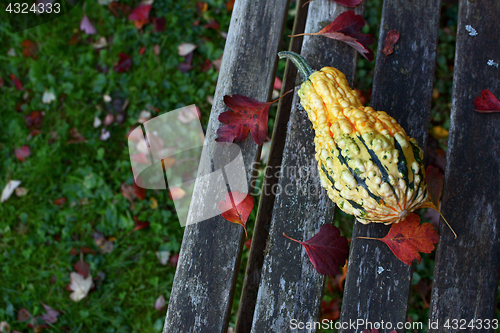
(467, 268)
(203, 287)
(377, 286)
(290, 287)
(261, 230)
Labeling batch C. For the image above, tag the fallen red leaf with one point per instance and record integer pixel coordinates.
(22, 153)
(327, 250)
(434, 179)
(16, 82)
(487, 102)
(345, 28)
(247, 114)
(124, 63)
(236, 208)
(60, 201)
(82, 268)
(140, 13)
(390, 41)
(140, 224)
(30, 49)
(173, 260)
(139, 192)
(34, 119)
(229, 5)
(248, 243)
(407, 238)
(159, 23)
(206, 65)
(213, 24)
(142, 50)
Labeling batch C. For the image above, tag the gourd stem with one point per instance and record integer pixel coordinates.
(298, 61)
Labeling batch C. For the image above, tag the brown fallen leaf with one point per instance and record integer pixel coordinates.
(390, 41)
(83, 268)
(76, 137)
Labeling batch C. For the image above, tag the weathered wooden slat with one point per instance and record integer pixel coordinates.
(377, 286)
(290, 288)
(203, 287)
(262, 223)
(467, 268)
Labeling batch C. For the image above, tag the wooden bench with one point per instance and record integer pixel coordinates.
(280, 282)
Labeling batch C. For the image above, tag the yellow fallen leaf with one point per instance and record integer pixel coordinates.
(439, 132)
(154, 203)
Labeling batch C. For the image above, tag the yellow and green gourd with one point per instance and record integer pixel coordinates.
(368, 165)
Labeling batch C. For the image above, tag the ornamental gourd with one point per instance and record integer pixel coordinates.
(368, 165)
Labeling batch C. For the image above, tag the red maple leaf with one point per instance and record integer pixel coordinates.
(124, 63)
(487, 102)
(236, 208)
(327, 250)
(407, 238)
(346, 28)
(247, 114)
(22, 153)
(16, 82)
(390, 41)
